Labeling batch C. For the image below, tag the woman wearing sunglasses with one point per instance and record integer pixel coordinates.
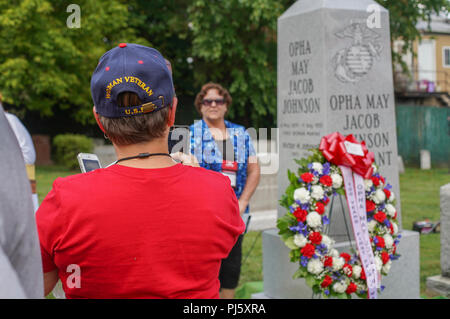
(227, 148)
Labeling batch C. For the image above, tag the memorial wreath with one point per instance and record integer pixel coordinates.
(341, 165)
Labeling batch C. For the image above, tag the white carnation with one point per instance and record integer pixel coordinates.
(388, 241)
(317, 192)
(302, 195)
(387, 267)
(314, 220)
(394, 225)
(378, 263)
(315, 266)
(300, 240)
(327, 241)
(368, 184)
(371, 225)
(340, 287)
(392, 197)
(337, 180)
(334, 253)
(357, 271)
(317, 167)
(390, 209)
(379, 196)
(338, 263)
(374, 168)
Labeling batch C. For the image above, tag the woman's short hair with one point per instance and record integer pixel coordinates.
(135, 129)
(205, 88)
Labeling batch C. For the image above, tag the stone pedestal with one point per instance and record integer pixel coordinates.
(401, 283)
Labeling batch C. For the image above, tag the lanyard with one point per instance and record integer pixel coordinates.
(141, 155)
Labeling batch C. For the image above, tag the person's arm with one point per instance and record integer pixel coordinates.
(253, 176)
(50, 280)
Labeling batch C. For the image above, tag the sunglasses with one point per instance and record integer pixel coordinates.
(208, 102)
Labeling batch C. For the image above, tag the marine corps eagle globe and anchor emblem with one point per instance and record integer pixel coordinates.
(354, 62)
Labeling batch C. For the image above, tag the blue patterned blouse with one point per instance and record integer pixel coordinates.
(210, 157)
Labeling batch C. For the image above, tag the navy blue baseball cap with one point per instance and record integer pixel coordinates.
(131, 68)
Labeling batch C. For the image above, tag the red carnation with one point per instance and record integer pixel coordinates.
(346, 256)
(385, 257)
(363, 275)
(326, 180)
(326, 201)
(382, 179)
(300, 214)
(370, 206)
(380, 217)
(380, 242)
(328, 261)
(307, 177)
(391, 228)
(387, 192)
(351, 288)
(315, 238)
(348, 270)
(376, 181)
(320, 208)
(326, 281)
(308, 250)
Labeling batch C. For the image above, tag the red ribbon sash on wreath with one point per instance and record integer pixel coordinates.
(355, 162)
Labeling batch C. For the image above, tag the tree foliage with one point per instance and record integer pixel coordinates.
(46, 65)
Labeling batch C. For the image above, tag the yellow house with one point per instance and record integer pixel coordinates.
(429, 65)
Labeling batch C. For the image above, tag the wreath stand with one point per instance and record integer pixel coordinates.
(326, 229)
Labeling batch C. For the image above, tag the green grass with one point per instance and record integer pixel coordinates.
(45, 175)
(419, 195)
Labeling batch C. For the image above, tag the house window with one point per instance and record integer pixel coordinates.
(446, 57)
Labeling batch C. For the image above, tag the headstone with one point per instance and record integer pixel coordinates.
(335, 75)
(401, 165)
(441, 284)
(425, 159)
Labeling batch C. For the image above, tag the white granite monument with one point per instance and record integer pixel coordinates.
(335, 75)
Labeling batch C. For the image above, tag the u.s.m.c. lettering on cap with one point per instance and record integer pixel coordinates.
(131, 68)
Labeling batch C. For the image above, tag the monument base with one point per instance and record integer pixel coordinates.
(438, 286)
(401, 283)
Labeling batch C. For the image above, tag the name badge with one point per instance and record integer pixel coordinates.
(229, 169)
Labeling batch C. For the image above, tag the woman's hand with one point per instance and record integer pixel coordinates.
(185, 159)
(242, 206)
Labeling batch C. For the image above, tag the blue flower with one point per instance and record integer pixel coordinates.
(326, 168)
(325, 220)
(304, 206)
(322, 249)
(327, 292)
(304, 261)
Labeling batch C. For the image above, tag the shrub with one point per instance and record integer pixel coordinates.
(67, 147)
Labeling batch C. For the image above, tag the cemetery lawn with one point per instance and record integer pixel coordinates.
(419, 200)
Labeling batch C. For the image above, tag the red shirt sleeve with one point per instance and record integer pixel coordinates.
(49, 225)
